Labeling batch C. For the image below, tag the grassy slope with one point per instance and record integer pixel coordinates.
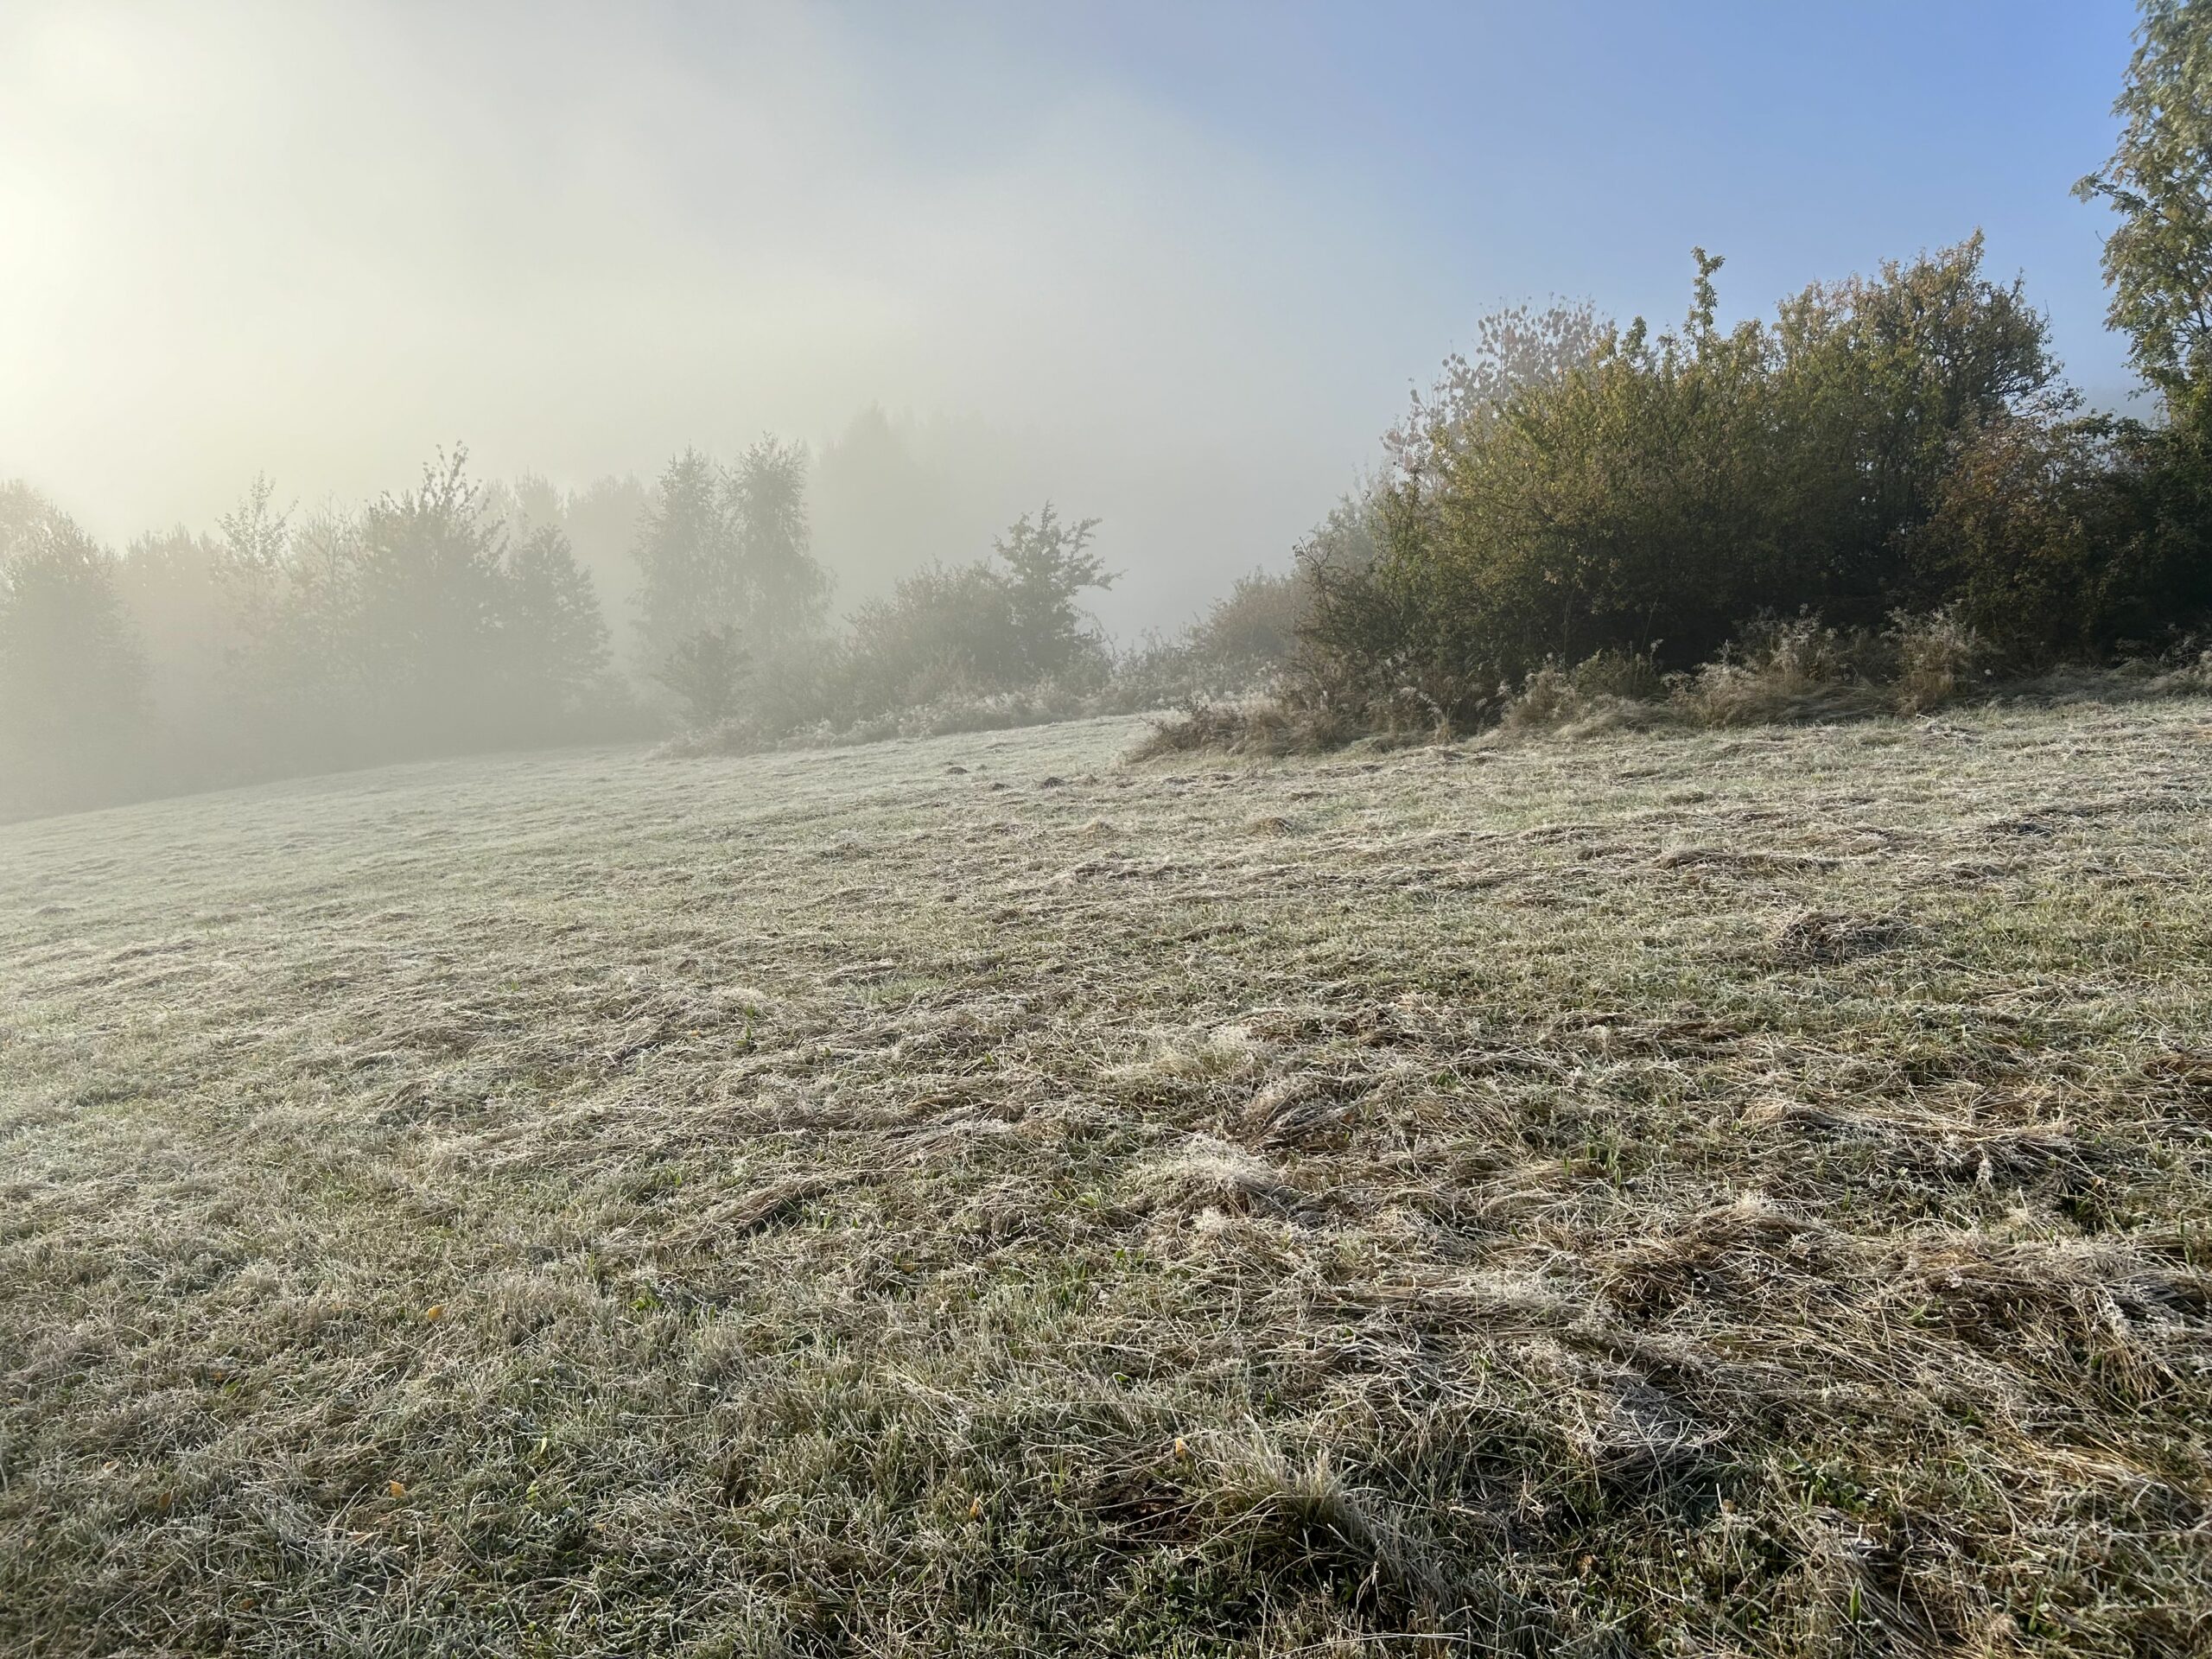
(1739, 1193)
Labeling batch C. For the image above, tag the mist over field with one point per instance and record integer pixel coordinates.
(1220, 829)
(313, 241)
(1172, 266)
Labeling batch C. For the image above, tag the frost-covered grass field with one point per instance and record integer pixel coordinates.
(1718, 1194)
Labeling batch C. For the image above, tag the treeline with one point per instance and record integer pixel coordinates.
(453, 617)
(735, 614)
(421, 625)
(1886, 481)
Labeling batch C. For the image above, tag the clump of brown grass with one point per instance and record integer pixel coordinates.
(1935, 657)
(1819, 936)
(1610, 691)
(1799, 670)
(1780, 670)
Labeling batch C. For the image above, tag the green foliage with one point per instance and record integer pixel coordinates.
(683, 556)
(943, 629)
(602, 522)
(2159, 260)
(2048, 537)
(283, 584)
(1252, 632)
(1248, 639)
(420, 607)
(1519, 346)
(1652, 492)
(785, 593)
(171, 586)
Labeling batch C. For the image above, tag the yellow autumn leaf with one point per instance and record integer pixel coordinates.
(435, 1311)
(396, 1488)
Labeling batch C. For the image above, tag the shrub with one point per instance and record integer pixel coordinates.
(1777, 669)
(1608, 685)
(1934, 656)
(1255, 726)
(1249, 635)
(996, 625)
(1631, 675)
(942, 629)
(1651, 493)
(2053, 538)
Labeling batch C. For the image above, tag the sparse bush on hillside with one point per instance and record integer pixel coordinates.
(957, 647)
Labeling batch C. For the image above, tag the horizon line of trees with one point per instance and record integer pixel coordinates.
(455, 616)
(1572, 490)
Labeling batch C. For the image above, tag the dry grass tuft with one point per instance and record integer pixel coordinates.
(1818, 936)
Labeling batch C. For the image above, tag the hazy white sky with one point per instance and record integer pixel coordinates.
(1182, 260)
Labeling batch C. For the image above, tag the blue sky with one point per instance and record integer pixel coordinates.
(1175, 265)
(1582, 149)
